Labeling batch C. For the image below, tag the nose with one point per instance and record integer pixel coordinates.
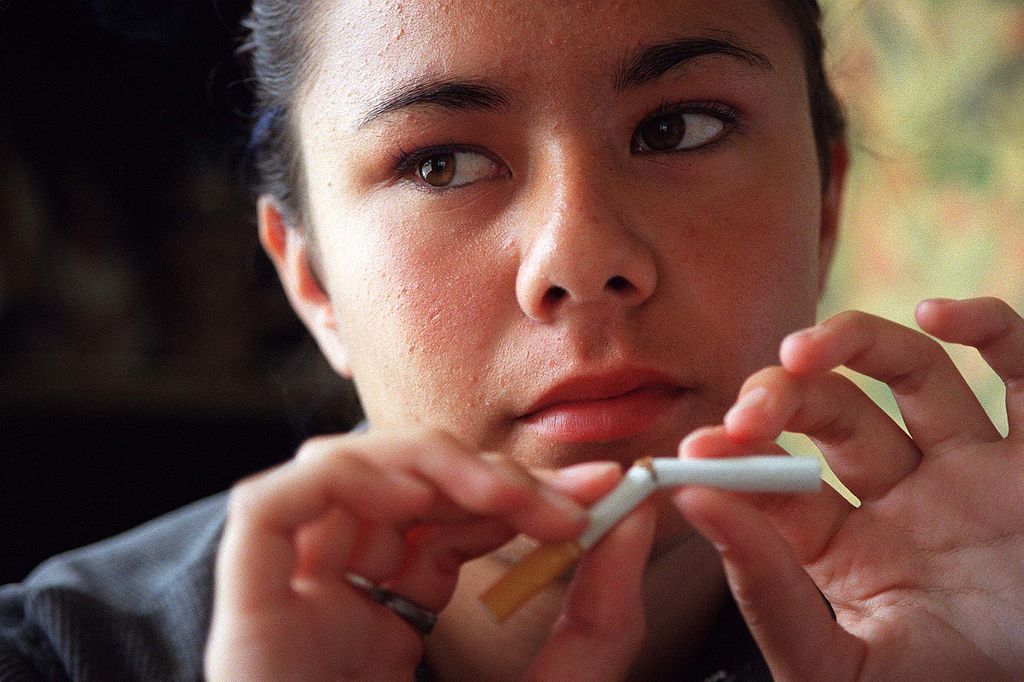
(582, 252)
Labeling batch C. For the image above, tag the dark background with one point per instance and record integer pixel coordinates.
(147, 354)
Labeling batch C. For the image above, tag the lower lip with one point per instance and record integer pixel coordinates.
(606, 419)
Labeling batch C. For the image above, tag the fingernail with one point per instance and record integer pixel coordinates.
(689, 443)
(585, 471)
(752, 398)
(928, 302)
(806, 333)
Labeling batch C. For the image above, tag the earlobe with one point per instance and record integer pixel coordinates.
(831, 209)
(290, 251)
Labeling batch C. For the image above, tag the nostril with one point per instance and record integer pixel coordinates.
(554, 294)
(619, 284)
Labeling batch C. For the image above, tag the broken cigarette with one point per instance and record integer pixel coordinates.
(761, 473)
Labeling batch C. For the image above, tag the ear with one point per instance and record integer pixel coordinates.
(831, 208)
(291, 253)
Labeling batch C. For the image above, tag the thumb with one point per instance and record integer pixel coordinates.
(601, 627)
(783, 608)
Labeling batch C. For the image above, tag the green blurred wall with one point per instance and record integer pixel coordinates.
(934, 93)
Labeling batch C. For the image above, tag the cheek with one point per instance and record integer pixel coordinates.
(426, 306)
(447, 291)
(745, 271)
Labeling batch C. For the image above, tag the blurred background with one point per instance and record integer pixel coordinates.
(147, 355)
(934, 93)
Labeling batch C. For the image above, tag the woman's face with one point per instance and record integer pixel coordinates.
(563, 231)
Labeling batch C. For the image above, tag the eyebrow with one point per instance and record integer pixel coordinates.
(652, 62)
(639, 68)
(442, 92)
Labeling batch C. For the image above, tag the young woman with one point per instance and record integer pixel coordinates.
(547, 239)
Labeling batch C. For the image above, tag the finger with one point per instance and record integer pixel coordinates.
(339, 543)
(258, 558)
(586, 483)
(436, 553)
(996, 330)
(601, 627)
(324, 546)
(379, 551)
(784, 610)
(937, 405)
(806, 521)
(866, 449)
(484, 485)
(422, 564)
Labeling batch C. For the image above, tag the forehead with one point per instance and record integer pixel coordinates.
(366, 48)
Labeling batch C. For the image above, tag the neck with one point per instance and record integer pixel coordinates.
(684, 588)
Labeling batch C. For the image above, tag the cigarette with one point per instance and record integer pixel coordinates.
(759, 473)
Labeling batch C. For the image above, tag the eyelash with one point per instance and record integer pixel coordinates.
(405, 162)
(720, 109)
(730, 116)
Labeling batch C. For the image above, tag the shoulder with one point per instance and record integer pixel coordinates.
(136, 606)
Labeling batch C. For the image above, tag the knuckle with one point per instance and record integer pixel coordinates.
(851, 319)
(244, 497)
(313, 448)
(927, 355)
(929, 351)
(324, 450)
(999, 307)
(1005, 322)
(833, 412)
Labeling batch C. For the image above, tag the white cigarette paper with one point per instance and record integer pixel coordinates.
(760, 473)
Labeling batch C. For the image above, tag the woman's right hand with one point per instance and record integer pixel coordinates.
(405, 511)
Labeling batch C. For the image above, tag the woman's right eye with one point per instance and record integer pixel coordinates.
(445, 170)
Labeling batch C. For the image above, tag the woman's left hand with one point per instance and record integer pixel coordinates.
(926, 577)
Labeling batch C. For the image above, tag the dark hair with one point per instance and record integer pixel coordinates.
(280, 48)
(826, 113)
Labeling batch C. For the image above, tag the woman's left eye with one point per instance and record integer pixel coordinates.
(447, 169)
(677, 131)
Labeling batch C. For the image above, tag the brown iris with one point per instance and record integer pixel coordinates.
(438, 170)
(663, 133)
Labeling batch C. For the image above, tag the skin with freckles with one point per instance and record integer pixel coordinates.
(448, 293)
(531, 255)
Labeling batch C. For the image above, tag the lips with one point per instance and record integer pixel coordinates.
(603, 407)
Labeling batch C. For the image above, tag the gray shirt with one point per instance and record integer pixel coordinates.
(137, 607)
